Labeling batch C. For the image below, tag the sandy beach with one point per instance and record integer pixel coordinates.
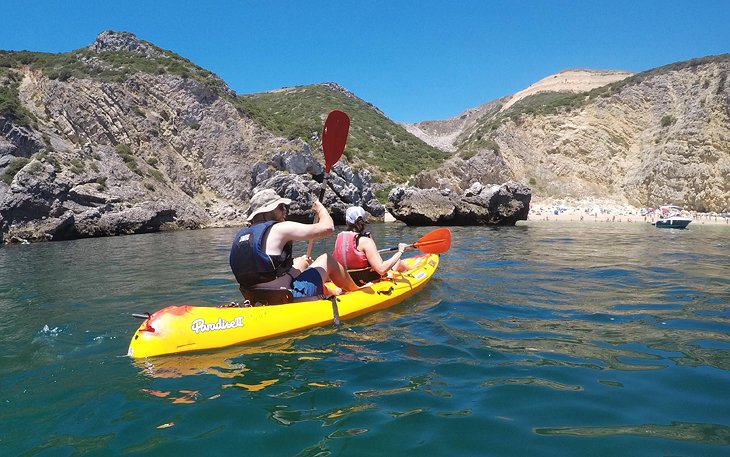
(592, 212)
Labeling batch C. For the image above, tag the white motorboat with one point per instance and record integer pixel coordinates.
(671, 217)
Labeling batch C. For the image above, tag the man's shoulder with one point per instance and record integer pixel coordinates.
(287, 229)
(283, 226)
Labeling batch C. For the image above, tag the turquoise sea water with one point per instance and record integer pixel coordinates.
(545, 339)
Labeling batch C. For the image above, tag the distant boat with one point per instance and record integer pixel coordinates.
(670, 217)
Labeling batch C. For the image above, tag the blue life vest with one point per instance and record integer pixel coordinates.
(249, 261)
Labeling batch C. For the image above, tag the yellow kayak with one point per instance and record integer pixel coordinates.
(185, 328)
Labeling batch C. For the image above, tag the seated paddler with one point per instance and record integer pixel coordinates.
(356, 250)
(261, 255)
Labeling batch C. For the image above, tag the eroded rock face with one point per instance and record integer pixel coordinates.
(478, 205)
(297, 176)
(41, 205)
(662, 137)
(16, 141)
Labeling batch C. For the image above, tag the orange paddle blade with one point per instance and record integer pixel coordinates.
(334, 137)
(434, 242)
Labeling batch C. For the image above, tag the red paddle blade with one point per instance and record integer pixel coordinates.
(435, 242)
(334, 137)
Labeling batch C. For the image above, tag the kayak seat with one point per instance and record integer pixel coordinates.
(262, 296)
(363, 276)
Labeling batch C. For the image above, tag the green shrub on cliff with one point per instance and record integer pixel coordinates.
(125, 152)
(13, 168)
(668, 120)
(10, 105)
(114, 66)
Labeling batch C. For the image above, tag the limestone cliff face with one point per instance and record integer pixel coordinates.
(174, 125)
(665, 139)
(144, 152)
(654, 138)
(162, 143)
(579, 80)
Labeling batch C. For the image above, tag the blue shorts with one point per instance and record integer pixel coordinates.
(308, 284)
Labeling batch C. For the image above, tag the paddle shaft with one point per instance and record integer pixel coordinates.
(414, 245)
(316, 218)
(394, 248)
(435, 242)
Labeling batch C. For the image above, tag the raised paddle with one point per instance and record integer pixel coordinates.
(434, 242)
(334, 136)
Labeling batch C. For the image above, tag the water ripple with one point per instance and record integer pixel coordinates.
(713, 434)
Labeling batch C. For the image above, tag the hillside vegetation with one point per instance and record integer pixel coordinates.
(375, 142)
(108, 66)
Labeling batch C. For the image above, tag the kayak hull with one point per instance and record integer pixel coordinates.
(177, 329)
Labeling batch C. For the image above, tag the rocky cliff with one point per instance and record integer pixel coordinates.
(124, 137)
(653, 138)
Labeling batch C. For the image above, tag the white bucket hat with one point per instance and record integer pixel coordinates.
(353, 213)
(264, 201)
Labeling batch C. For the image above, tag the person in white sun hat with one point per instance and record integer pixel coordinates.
(261, 255)
(357, 252)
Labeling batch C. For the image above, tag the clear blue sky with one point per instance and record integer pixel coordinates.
(415, 60)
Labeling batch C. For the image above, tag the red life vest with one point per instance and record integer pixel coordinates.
(346, 251)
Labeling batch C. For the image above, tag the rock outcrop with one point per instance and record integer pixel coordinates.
(111, 41)
(297, 176)
(458, 174)
(478, 205)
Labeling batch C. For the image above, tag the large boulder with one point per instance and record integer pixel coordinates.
(478, 205)
(40, 205)
(298, 176)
